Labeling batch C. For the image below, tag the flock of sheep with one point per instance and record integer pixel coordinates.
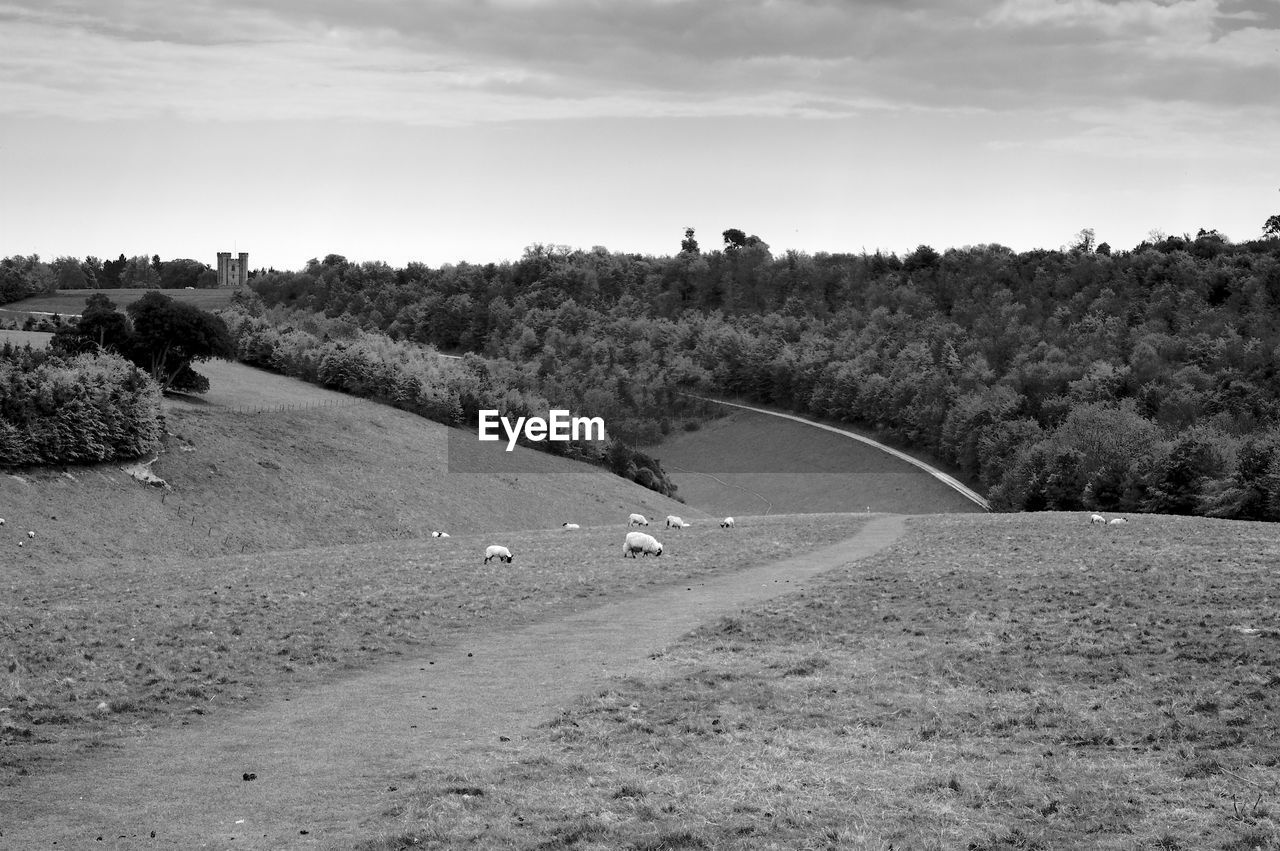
(1099, 520)
(30, 534)
(635, 542)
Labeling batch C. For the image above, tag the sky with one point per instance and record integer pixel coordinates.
(442, 131)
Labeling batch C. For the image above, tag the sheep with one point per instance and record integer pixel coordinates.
(726, 523)
(500, 553)
(674, 522)
(1117, 520)
(439, 534)
(1097, 518)
(639, 542)
(31, 534)
(570, 526)
(638, 520)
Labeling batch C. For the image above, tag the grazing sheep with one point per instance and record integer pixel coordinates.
(1097, 518)
(31, 534)
(571, 526)
(639, 542)
(1118, 520)
(439, 534)
(674, 522)
(638, 520)
(1, 521)
(726, 523)
(500, 553)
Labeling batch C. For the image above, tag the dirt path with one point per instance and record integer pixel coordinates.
(325, 763)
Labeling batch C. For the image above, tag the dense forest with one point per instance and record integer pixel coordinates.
(1083, 377)
(1140, 380)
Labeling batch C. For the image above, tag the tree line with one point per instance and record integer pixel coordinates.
(1083, 377)
(23, 276)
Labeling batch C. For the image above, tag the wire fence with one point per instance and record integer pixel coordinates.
(300, 406)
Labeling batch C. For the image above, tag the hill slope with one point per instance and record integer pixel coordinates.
(266, 462)
(750, 463)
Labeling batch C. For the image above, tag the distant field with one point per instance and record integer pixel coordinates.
(753, 463)
(34, 339)
(71, 302)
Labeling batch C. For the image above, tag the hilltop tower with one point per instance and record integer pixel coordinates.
(233, 273)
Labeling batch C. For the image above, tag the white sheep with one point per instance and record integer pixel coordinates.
(639, 542)
(500, 553)
(439, 534)
(1097, 518)
(571, 526)
(1117, 520)
(726, 523)
(674, 522)
(31, 534)
(638, 520)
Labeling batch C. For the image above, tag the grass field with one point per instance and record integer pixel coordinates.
(34, 339)
(71, 302)
(992, 682)
(750, 463)
(160, 642)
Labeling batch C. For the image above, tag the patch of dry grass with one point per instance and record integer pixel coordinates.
(992, 682)
(162, 643)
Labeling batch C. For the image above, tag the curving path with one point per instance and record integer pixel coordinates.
(326, 763)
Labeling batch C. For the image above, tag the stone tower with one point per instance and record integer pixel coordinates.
(233, 273)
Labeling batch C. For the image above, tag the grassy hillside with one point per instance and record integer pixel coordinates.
(749, 463)
(266, 463)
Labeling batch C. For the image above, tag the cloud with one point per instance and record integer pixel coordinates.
(464, 61)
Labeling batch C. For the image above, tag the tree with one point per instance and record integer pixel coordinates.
(181, 273)
(1084, 241)
(139, 273)
(99, 328)
(68, 274)
(1272, 226)
(169, 336)
(689, 244)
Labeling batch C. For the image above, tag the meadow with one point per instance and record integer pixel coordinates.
(990, 682)
(96, 650)
(71, 302)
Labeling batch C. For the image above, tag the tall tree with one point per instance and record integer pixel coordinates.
(169, 336)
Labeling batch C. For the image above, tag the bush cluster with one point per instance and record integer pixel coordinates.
(79, 410)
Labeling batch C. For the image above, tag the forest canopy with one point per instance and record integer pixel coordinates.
(1084, 377)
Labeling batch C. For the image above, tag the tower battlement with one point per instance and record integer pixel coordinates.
(233, 272)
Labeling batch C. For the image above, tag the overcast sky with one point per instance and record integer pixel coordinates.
(450, 130)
